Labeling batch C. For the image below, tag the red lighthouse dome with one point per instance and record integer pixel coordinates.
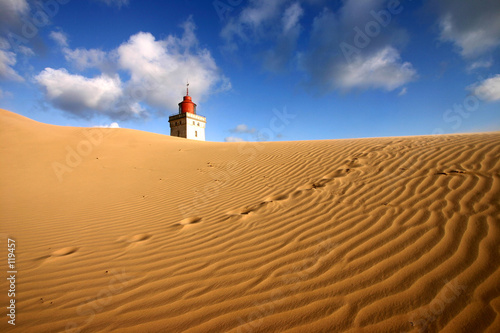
(187, 105)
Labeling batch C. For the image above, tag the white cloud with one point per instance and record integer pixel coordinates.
(158, 70)
(383, 69)
(403, 91)
(76, 93)
(242, 128)
(7, 61)
(260, 11)
(337, 58)
(291, 17)
(4, 44)
(357, 12)
(11, 12)
(15, 6)
(26, 51)
(112, 125)
(473, 26)
(233, 139)
(276, 58)
(480, 64)
(60, 38)
(274, 27)
(14, 15)
(83, 58)
(275, 22)
(488, 90)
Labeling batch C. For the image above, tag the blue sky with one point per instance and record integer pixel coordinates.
(258, 69)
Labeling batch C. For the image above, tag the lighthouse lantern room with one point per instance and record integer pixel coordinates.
(187, 124)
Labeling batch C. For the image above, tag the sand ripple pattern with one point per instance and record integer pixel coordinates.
(372, 235)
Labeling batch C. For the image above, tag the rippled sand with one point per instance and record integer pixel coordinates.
(126, 231)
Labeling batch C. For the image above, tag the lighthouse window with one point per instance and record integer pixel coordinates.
(193, 122)
(196, 133)
(197, 124)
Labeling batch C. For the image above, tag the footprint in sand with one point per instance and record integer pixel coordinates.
(187, 222)
(277, 197)
(66, 251)
(239, 212)
(354, 163)
(139, 238)
(337, 173)
(450, 172)
(245, 211)
(248, 210)
(313, 185)
(134, 239)
(190, 220)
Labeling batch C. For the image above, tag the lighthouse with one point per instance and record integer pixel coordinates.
(187, 124)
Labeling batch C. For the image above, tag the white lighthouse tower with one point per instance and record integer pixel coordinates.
(187, 124)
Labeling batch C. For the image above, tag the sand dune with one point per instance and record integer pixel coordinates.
(119, 230)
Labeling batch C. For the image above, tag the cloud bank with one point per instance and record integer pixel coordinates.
(276, 24)
(357, 47)
(472, 26)
(76, 93)
(156, 72)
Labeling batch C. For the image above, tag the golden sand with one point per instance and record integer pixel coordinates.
(118, 230)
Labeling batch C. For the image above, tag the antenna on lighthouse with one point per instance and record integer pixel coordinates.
(187, 88)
